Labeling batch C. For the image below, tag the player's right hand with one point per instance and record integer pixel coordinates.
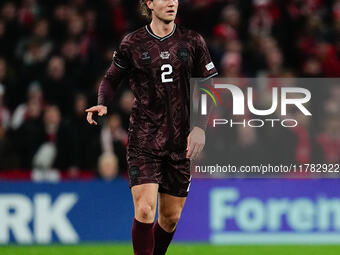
(100, 109)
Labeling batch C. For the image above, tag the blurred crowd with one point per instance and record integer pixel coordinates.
(53, 54)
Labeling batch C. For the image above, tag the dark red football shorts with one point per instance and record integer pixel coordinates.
(171, 170)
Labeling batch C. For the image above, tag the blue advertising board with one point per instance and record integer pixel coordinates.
(67, 212)
(262, 211)
(218, 211)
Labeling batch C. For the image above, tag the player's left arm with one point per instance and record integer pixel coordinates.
(205, 69)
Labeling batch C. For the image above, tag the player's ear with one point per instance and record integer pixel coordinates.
(149, 3)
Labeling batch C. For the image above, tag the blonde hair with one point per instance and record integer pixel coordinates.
(144, 9)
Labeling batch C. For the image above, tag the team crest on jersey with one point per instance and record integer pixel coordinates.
(183, 54)
(165, 55)
(145, 57)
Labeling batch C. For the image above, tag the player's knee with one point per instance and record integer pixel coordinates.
(170, 221)
(145, 212)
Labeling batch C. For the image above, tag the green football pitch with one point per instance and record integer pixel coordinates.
(175, 249)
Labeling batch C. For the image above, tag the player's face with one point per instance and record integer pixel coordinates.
(165, 10)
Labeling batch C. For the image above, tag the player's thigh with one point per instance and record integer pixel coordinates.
(170, 206)
(145, 196)
(143, 167)
(176, 177)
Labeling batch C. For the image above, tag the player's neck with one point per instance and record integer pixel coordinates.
(160, 28)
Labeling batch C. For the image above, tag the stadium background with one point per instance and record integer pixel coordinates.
(52, 57)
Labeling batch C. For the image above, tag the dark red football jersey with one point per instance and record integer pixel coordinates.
(159, 71)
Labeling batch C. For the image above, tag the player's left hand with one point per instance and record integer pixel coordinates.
(195, 143)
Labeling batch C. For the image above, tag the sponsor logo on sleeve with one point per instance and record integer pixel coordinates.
(210, 66)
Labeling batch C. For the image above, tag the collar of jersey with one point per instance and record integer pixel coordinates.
(156, 36)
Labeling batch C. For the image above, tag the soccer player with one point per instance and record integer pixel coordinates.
(159, 60)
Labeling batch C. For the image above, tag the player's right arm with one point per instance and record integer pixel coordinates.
(119, 68)
(205, 69)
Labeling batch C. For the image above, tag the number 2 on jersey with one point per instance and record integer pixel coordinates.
(166, 70)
